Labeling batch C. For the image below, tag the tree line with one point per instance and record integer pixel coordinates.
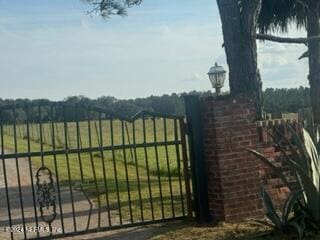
(81, 108)
(275, 101)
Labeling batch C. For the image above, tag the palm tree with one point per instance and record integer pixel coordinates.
(279, 15)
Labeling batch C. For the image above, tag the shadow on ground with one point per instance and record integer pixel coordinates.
(187, 230)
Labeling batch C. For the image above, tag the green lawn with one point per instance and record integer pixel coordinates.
(139, 174)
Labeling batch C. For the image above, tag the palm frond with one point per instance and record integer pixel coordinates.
(280, 15)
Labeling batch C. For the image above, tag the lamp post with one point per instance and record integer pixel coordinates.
(217, 77)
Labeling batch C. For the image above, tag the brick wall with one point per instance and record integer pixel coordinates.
(274, 185)
(229, 127)
(234, 175)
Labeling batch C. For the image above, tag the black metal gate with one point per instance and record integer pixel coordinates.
(68, 170)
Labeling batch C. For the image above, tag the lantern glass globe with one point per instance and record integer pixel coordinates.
(217, 76)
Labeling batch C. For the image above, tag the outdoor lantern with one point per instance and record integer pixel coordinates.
(217, 76)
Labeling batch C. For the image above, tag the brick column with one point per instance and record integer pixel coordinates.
(229, 127)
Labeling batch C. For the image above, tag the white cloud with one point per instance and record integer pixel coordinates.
(279, 64)
(135, 56)
(195, 77)
(94, 61)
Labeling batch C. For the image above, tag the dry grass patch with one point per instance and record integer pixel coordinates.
(248, 230)
(219, 231)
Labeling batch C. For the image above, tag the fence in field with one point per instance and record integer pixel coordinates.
(275, 130)
(71, 172)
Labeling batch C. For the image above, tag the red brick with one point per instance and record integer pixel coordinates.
(230, 129)
(234, 175)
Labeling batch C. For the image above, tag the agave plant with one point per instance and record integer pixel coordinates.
(291, 218)
(303, 159)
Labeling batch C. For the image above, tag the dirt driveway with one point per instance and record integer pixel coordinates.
(25, 197)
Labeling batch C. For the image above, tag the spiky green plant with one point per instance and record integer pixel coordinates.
(291, 218)
(303, 159)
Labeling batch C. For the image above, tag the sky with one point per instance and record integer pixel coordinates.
(53, 49)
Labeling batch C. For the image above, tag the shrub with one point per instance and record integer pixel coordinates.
(302, 208)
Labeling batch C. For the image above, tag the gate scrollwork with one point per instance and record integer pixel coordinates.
(45, 194)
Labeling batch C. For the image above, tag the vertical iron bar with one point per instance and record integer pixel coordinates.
(128, 137)
(30, 167)
(79, 146)
(168, 164)
(115, 169)
(176, 138)
(185, 166)
(104, 169)
(96, 128)
(147, 164)
(78, 142)
(65, 126)
(158, 165)
(56, 167)
(5, 177)
(93, 168)
(126, 170)
(40, 136)
(137, 168)
(17, 168)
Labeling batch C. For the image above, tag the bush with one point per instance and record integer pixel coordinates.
(302, 208)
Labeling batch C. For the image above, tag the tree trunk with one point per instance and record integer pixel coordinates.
(239, 34)
(313, 29)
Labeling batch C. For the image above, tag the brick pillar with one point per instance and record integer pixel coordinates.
(229, 127)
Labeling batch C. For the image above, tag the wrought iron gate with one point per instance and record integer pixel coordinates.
(68, 170)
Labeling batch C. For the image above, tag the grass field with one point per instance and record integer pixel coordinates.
(138, 178)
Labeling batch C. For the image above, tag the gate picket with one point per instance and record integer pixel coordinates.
(77, 169)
